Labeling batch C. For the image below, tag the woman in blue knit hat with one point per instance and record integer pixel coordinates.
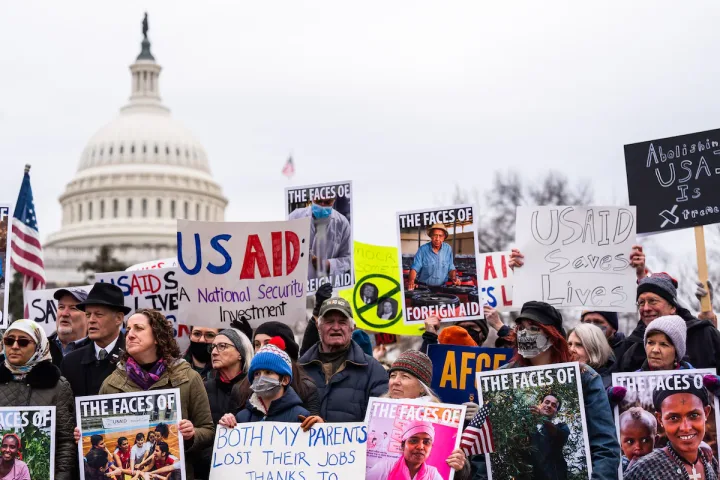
(273, 399)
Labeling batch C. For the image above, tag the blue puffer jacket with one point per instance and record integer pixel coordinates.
(604, 446)
(284, 409)
(344, 396)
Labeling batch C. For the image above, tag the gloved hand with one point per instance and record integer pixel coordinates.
(471, 410)
(700, 292)
(244, 326)
(616, 395)
(322, 294)
(309, 421)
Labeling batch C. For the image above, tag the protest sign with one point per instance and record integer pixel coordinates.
(377, 290)
(537, 422)
(673, 181)
(232, 270)
(282, 451)
(29, 434)
(438, 259)
(576, 257)
(644, 431)
(43, 308)
(151, 265)
(497, 290)
(455, 366)
(5, 227)
(110, 428)
(156, 289)
(329, 208)
(397, 427)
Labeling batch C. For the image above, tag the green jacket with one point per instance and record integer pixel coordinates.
(193, 400)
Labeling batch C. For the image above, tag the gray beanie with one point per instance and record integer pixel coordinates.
(676, 330)
(234, 336)
(660, 284)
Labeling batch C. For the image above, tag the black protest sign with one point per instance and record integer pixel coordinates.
(673, 181)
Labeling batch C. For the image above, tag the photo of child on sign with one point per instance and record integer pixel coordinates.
(439, 264)
(27, 443)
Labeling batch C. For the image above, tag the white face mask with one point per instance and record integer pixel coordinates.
(531, 342)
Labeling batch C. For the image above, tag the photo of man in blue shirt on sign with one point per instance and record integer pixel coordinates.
(433, 264)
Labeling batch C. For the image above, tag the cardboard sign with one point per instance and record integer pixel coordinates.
(642, 437)
(279, 451)
(34, 427)
(376, 298)
(43, 308)
(673, 181)
(328, 206)
(455, 366)
(156, 289)
(576, 257)
(5, 234)
(388, 421)
(233, 270)
(442, 269)
(112, 419)
(497, 281)
(538, 423)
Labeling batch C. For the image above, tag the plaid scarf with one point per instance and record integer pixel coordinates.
(144, 379)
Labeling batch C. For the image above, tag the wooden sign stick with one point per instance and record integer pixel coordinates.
(705, 305)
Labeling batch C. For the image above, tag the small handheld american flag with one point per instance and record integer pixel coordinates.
(289, 168)
(477, 439)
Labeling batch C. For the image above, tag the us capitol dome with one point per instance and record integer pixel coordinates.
(137, 175)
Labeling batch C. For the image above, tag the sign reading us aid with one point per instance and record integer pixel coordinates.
(673, 181)
(576, 257)
(455, 366)
(497, 280)
(233, 270)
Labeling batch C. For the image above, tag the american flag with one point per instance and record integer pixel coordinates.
(477, 439)
(289, 168)
(26, 254)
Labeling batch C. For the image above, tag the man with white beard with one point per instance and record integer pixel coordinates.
(71, 324)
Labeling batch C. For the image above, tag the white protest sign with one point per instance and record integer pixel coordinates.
(153, 264)
(274, 450)
(233, 270)
(497, 280)
(42, 307)
(157, 289)
(576, 257)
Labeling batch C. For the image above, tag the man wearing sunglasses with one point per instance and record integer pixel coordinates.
(71, 325)
(87, 367)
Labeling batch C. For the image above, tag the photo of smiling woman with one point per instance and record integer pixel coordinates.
(11, 465)
(683, 414)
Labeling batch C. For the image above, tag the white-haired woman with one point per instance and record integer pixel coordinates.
(588, 344)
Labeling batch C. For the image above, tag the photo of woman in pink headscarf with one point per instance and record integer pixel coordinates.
(416, 445)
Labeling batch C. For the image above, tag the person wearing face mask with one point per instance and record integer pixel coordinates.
(541, 341)
(330, 238)
(273, 398)
(198, 353)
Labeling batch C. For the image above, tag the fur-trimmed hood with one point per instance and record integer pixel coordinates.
(43, 375)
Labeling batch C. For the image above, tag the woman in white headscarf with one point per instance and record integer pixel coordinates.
(29, 378)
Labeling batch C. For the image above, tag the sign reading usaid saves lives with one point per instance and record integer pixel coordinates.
(233, 270)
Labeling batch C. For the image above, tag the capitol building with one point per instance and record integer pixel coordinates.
(137, 175)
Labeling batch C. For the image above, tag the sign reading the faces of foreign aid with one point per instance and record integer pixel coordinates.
(232, 270)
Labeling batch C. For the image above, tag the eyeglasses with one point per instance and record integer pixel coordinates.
(209, 336)
(425, 441)
(22, 342)
(220, 346)
(652, 303)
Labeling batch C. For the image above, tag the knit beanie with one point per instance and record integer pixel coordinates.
(676, 330)
(482, 323)
(363, 340)
(660, 284)
(416, 364)
(279, 329)
(271, 356)
(456, 336)
(234, 336)
(610, 317)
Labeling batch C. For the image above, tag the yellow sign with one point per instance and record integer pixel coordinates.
(376, 298)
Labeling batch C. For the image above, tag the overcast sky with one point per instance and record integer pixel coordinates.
(405, 98)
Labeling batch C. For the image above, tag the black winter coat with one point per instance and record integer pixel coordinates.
(219, 394)
(43, 386)
(284, 409)
(56, 353)
(85, 372)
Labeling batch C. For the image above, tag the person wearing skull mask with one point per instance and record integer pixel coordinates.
(541, 341)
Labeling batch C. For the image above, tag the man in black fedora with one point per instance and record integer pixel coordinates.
(87, 367)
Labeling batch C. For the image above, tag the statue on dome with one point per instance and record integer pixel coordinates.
(145, 26)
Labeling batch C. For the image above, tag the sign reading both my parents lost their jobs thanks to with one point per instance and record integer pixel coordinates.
(438, 262)
(233, 270)
(673, 181)
(576, 257)
(329, 208)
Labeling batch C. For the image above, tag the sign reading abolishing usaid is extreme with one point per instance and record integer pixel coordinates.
(232, 270)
